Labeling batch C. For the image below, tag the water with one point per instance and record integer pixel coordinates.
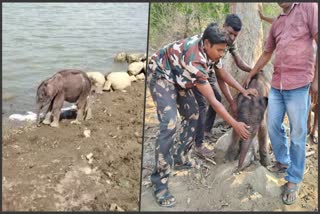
(40, 39)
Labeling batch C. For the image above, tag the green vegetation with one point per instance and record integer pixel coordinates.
(173, 21)
(270, 10)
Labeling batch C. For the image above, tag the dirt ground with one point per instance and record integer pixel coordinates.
(209, 187)
(58, 169)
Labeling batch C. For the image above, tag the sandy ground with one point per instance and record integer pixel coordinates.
(209, 187)
(49, 169)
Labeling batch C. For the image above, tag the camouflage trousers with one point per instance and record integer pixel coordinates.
(169, 99)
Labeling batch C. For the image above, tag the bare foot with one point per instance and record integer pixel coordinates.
(54, 124)
(76, 122)
(46, 121)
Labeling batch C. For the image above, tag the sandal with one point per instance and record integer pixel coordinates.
(164, 198)
(203, 152)
(179, 164)
(278, 167)
(314, 138)
(287, 192)
(186, 165)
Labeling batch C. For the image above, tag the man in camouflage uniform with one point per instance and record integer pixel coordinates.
(232, 27)
(172, 73)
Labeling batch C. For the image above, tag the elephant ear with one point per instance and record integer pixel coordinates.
(51, 88)
(263, 102)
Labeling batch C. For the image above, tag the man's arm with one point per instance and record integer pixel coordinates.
(240, 63)
(240, 127)
(314, 84)
(226, 77)
(263, 17)
(262, 61)
(226, 92)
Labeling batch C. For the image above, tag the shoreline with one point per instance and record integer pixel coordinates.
(60, 169)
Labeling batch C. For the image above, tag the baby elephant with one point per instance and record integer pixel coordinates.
(69, 85)
(253, 113)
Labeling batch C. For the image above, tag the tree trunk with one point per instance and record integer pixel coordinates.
(249, 43)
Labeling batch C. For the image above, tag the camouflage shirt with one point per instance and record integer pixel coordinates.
(184, 62)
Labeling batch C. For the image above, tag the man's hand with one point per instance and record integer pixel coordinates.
(248, 91)
(242, 130)
(260, 11)
(246, 82)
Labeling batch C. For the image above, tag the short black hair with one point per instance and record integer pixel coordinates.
(234, 21)
(214, 34)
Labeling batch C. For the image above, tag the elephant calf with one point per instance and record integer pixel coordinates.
(253, 113)
(69, 85)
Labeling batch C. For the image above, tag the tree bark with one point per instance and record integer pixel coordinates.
(249, 43)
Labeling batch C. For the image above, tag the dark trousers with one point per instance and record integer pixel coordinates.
(170, 99)
(207, 114)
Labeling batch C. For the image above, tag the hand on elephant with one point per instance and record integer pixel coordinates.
(242, 130)
(247, 81)
(252, 91)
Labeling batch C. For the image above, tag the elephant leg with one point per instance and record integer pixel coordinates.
(88, 112)
(81, 103)
(47, 118)
(56, 108)
(263, 144)
(233, 149)
(245, 145)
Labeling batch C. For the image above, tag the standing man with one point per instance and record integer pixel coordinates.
(312, 129)
(232, 28)
(291, 37)
(172, 73)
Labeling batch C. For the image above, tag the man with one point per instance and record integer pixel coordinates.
(232, 28)
(291, 37)
(312, 129)
(172, 73)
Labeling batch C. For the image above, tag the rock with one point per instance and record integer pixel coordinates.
(7, 96)
(87, 170)
(136, 134)
(120, 57)
(133, 78)
(89, 156)
(107, 86)
(115, 207)
(225, 141)
(117, 81)
(87, 133)
(135, 68)
(30, 116)
(145, 67)
(97, 80)
(140, 76)
(143, 58)
(135, 57)
(264, 182)
(139, 140)
(188, 201)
